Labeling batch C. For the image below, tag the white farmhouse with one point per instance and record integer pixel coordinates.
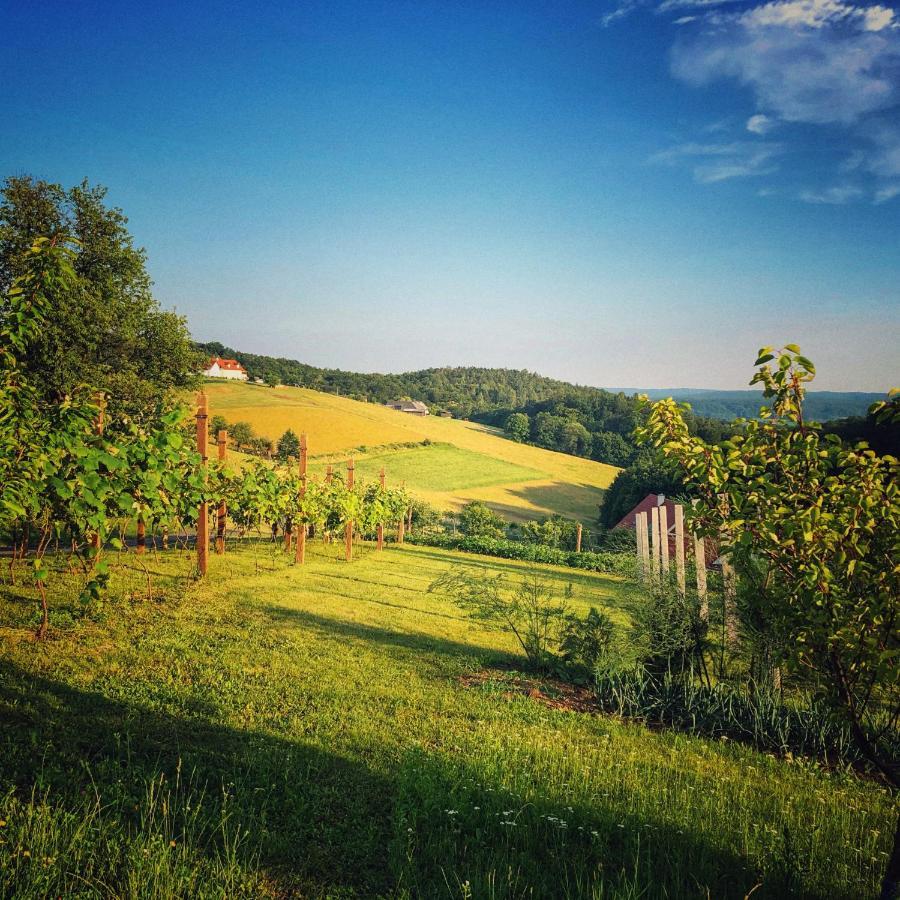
(225, 368)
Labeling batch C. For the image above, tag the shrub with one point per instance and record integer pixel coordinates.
(529, 610)
(607, 563)
(585, 644)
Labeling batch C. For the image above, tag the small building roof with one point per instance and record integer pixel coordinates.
(229, 364)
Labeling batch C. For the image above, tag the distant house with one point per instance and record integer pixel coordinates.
(218, 367)
(660, 500)
(413, 407)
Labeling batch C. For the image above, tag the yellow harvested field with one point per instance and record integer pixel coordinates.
(534, 483)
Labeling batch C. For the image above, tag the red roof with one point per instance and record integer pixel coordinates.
(231, 364)
(650, 502)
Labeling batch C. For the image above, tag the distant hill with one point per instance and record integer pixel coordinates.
(582, 421)
(820, 406)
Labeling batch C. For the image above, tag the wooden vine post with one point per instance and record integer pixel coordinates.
(729, 589)
(679, 549)
(381, 524)
(300, 545)
(578, 539)
(348, 528)
(98, 430)
(222, 517)
(203, 512)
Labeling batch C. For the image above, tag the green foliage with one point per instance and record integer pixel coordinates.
(241, 433)
(812, 525)
(478, 520)
(288, 446)
(529, 609)
(760, 718)
(586, 643)
(110, 332)
(518, 427)
(554, 532)
(646, 475)
(608, 563)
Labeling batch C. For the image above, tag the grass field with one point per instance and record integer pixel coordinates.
(281, 732)
(518, 481)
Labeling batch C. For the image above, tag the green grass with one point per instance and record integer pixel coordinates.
(440, 467)
(287, 732)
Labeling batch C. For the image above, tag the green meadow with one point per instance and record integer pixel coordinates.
(279, 731)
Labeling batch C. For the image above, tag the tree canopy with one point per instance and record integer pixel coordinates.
(110, 332)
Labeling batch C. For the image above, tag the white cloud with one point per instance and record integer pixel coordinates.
(760, 124)
(888, 192)
(810, 75)
(818, 14)
(711, 163)
(835, 196)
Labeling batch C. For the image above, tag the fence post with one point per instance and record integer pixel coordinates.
(700, 564)
(329, 473)
(409, 513)
(578, 539)
(203, 512)
(348, 529)
(222, 447)
(381, 524)
(654, 547)
(643, 538)
(729, 589)
(300, 547)
(664, 541)
(679, 549)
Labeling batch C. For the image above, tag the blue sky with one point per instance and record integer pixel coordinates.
(635, 193)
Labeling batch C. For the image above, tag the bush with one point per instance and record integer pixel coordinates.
(607, 563)
(528, 610)
(585, 644)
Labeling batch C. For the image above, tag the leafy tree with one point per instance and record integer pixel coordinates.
(241, 433)
(574, 438)
(518, 427)
(478, 520)
(271, 379)
(217, 424)
(110, 332)
(611, 448)
(288, 445)
(813, 525)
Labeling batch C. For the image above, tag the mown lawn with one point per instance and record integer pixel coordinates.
(286, 732)
(435, 469)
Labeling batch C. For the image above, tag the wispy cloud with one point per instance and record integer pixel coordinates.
(834, 196)
(711, 163)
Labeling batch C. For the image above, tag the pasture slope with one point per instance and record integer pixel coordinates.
(337, 731)
(466, 461)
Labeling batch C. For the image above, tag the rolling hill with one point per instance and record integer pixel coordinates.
(464, 461)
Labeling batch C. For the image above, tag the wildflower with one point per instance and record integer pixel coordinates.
(26, 853)
(171, 843)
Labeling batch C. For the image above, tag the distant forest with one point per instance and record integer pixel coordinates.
(582, 421)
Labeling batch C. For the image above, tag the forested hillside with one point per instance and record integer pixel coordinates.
(581, 421)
